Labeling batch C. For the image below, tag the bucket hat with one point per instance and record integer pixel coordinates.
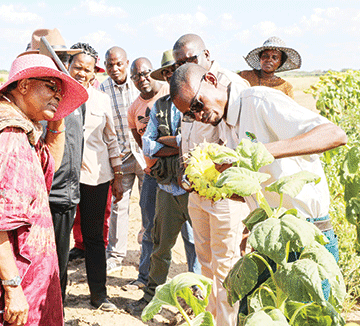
(38, 65)
(166, 61)
(54, 38)
(293, 60)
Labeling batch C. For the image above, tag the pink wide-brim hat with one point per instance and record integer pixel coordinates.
(38, 65)
(98, 68)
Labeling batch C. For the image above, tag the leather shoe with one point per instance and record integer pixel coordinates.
(76, 253)
(136, 307)
(103, 304)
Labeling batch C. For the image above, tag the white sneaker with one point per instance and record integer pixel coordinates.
(112, 266)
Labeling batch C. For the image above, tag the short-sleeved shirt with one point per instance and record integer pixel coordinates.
(273, 116)
(139, 110)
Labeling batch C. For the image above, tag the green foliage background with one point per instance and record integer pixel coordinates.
(338, 99)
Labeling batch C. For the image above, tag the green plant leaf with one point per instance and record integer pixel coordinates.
(313, 314)
(256, 216)
(243, 277)
(204, 319)
(351, 162)
(293, 184)
(353, 210)
(179, 286)
(221, 154)
(301, 281)
(271, 236)
(241, 181)
(324, 258)
(263, 296)
(261, 318)
(253, 155)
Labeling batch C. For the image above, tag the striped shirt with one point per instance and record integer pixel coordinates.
(121, 98)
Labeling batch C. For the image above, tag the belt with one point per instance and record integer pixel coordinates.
(324, 225)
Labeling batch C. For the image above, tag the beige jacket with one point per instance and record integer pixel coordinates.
(101, 149)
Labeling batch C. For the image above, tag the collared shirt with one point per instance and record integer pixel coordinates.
(151, 146)
(197, 132)
(271, 116)
(101, 149)
(121, 98)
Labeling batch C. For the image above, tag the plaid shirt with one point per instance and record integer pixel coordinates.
(121, 98)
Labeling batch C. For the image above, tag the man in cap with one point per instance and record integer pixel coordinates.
(217, 226)
(122, 92)
(161, 143)
(65, 194)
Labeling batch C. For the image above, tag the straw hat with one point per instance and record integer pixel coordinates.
(166, 61)
(38, 65)
(293, 60)
(54, 38)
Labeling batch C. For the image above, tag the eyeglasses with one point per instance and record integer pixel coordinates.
(53, 85)
(193, 59)
(195, 106)
(144, 74)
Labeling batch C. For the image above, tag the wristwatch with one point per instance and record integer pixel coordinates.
(185, 183)
(16, 281)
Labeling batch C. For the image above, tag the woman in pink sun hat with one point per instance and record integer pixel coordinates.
(36, 90)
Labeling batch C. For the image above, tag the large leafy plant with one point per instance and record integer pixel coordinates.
(338, 99)
(180, 287)
(293, 294)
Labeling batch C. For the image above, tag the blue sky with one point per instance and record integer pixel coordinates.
(326, 33)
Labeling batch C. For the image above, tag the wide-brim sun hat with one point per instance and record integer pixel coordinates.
(166, 62)
(38, 65)
(293, 60)
(54, 38)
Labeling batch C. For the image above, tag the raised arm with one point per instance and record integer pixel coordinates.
(318, 140)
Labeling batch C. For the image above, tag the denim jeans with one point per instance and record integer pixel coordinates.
(147, 204)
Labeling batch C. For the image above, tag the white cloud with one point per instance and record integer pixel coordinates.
(126, 28)
(243, 36)
(228, 23)
(170, 26)
(42, 5)
(98, 39)
(293, 30)
(99, 8)
(18, 15)
(266, 28)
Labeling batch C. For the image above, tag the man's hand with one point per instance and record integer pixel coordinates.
(116, 188)
(16, 306)
(222, 167)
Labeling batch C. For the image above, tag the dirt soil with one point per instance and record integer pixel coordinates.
(79, 312)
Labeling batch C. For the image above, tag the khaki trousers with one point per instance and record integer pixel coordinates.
(218, 231)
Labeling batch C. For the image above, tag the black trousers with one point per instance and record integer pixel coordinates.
(92, 210)
(63, 222)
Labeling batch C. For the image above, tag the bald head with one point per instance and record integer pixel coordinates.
(197, 94)
(187, 39)
(140, 75)
(191, 48)
(117, 51)
(116, 64)
(186, 78)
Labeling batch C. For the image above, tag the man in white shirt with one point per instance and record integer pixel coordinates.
(291, 133)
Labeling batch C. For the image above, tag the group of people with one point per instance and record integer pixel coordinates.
(138, 123)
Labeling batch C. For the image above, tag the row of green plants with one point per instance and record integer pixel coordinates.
(338, 99)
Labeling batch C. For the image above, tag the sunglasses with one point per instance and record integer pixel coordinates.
(53, 85)
(193, 59)
(195, 106)
(144, 74)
